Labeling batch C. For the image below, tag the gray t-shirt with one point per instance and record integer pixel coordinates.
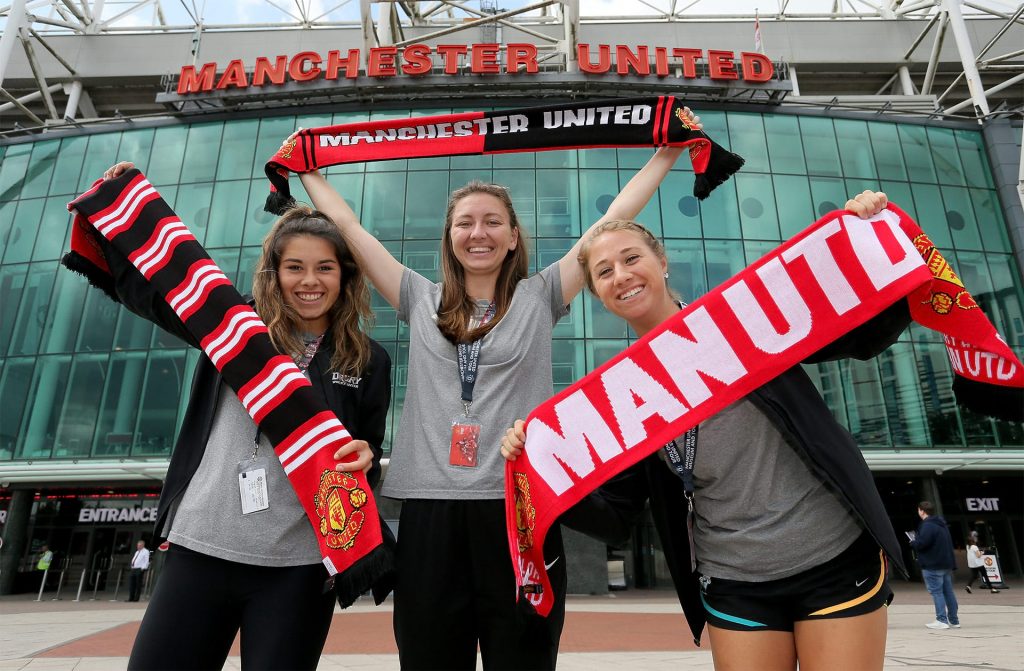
(514, 377)
(760, 514)
(209, 517)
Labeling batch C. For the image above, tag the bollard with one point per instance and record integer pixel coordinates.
(42, 585)
(60, 585)
(81, 584)
(96, 584)
(117, 588)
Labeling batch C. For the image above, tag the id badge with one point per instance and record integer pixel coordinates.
(465, 442)
(252, 485)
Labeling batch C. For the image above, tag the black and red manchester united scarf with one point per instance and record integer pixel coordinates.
(305, 433)
(820, 285)
(629, 122)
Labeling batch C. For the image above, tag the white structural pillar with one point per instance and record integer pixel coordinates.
(906, 84)
(15, 20)
(793, 79)
(963, 45)
(570, 33)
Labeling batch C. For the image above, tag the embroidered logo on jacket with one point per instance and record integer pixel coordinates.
(347, 380)
(337, 503)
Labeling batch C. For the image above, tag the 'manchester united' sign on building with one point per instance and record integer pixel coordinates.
(482, 59)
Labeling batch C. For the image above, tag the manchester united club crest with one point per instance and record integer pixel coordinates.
(338, 501)
(956, 295)
(526, 514)
(681, 115)
(287, 148)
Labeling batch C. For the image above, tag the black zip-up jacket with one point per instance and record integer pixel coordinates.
(362, 409)
(794, 406)
(934, 545)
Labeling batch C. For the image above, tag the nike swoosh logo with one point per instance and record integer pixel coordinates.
(861, 582)
(547, 567)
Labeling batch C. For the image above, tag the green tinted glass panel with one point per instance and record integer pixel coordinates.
(425, 201)
(69, 167)
(960, 218)
(12, 286)
(931, 215)
(885, 142)
(247, 263)
(680, 214)
(592, 158)
(167, 157)
(747, 138)
(133, 332)
(785, 146)
(257, 220)
(101, 154)
(97, 329)
(65, 313)
(78, 417)
(119, 404)
(12, 170)
(227, 213)
(237, 149)
(524, 160)
(650, 215)
(40, 169)
(855, 148)
(136, 146)
(599, 322)
(15, 387)
(159, 403)
(7, 210)
(971, 146)
(193, 207)
(936, 386)
(686, 268)
(558, 203)
(900, 194)
(556, 159)
(53, 230)
(946, 156)
(633, 158)
(793, 198)
(904, 398)
(724, 259)
(917, 152)
(867, 413)
(26, 227)
(423, 257)
(384, 204)
(522, 189)
(201, 152)
(719, 212)
(990, 220)
(757, 206)
(1008, 298)
(827, 195)
(43, 407)
(821, 153)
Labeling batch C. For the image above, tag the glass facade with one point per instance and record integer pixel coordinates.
(82, 378)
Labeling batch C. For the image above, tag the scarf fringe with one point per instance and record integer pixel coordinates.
(722, 164)
(96, 277)
(375, 571)
(280, 201)
(1005, 403)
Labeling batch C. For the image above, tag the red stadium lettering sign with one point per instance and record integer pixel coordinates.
(512, 60)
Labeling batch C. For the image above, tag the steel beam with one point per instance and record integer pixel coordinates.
(967, 57)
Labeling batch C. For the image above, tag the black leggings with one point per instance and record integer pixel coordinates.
(456, 589)
(201, 602)
(979, 572)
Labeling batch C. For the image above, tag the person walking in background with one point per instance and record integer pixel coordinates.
(140, 563)
(934, 547)
(976, 565)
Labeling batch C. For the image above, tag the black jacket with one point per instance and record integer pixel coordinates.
(794, 406)
(362, 409)
(934, 545)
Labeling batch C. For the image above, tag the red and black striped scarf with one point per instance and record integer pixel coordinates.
(820, 285)
(631, 122)
(132, 216)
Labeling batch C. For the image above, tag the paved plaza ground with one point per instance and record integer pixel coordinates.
(624, 631)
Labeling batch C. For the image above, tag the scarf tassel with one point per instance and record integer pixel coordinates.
(722, 164)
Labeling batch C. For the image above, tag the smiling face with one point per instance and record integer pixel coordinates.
(482, 234)
(629, 279)
(310, 279)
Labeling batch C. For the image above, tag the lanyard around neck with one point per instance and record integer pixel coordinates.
(468, 355)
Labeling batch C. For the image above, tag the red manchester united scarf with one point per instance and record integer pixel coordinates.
(634, 122)
(818, 286)
(305, 433)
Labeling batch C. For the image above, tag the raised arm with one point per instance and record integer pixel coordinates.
(627, 205)
(383, 269)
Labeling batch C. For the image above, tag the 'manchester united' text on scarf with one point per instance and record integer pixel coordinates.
(834, 276)
(634, 122)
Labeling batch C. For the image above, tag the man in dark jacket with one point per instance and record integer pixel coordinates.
(934, 547)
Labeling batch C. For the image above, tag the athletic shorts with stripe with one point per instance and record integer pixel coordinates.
(853, 583)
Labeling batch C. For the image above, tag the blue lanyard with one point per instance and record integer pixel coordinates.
(683, 466)
(469, 361)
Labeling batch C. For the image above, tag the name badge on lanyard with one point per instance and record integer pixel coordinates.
(465, 441)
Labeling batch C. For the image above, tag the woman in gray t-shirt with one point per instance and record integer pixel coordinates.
(479, 356)
(780, 556)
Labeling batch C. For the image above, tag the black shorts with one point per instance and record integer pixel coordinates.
(851, 584)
